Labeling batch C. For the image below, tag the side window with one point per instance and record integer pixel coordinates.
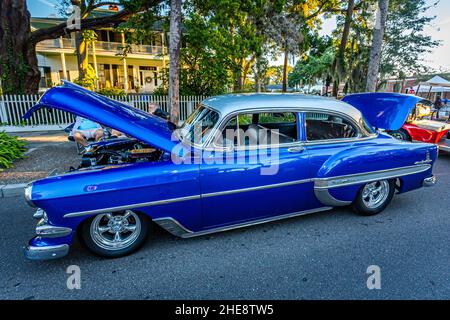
(253, 129)
(322, 126)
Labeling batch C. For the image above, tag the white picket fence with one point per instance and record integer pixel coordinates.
(13, 107)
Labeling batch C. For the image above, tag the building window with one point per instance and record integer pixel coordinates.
(61, 75)
(155, 76)
(46, 77)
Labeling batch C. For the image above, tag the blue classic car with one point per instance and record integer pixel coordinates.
(238, 160)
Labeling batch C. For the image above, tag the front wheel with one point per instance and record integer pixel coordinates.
(115, 234)
(374, 197)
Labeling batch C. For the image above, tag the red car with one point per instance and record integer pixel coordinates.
(419, 129)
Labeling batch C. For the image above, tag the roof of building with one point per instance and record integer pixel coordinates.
(47, 22)
(240, 102)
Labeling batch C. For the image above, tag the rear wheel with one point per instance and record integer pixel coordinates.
(115, 234)
(374, 197)
(400, 135)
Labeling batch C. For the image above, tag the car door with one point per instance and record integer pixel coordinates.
(327, 134)
(250, 177)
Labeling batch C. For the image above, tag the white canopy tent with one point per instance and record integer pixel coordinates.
(436, 84)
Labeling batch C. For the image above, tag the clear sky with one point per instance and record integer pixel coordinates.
(440, 30)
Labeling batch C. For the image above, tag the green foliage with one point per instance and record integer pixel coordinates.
(89, 78)
(405, 42)
(112, 92)
(314, 68)
(11, 149)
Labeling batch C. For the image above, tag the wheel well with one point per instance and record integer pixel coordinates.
(406, 132)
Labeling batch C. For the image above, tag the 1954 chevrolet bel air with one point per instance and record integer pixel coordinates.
(238, 160)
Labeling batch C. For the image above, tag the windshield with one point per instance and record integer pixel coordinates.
(199, 125)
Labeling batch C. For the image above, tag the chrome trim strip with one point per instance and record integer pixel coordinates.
(177, 229)
(319, 183)
(324, 196)
(267, 186)
(131, 206)
(46, 252)
(194, 197)
(352, 179)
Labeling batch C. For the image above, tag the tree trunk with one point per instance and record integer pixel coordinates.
(377, 43)
(174, 56)
(258, 74)
(18, 62)
(339, 62)
(82, 55)
(285, 70)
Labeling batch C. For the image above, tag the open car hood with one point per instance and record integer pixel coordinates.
(384, 110)
(131, 121)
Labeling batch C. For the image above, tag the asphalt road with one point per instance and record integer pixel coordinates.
(320, 256)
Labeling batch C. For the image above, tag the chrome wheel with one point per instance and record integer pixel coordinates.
(398, 136)
(375, 194)
(115, 231)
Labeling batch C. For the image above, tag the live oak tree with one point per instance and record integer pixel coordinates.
(18, 62)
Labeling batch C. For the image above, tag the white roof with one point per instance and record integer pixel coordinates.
(437, 84)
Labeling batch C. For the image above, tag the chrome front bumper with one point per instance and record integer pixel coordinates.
(46, 252)
(429, 182)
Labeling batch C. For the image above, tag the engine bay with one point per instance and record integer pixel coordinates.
(118, 151)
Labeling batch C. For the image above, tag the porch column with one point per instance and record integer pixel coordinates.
(163, 50)
(94, 56)
(63, 58)
(125, 70)
(111, 76)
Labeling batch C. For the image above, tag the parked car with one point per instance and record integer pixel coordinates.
(287, 155)
(417, 126)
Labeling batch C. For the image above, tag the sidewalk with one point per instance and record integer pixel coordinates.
(47, 151)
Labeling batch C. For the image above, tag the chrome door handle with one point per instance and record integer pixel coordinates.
(296, 149)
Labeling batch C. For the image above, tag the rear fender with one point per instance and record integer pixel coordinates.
(342, 175)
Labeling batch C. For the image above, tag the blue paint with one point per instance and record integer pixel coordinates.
(384, 110)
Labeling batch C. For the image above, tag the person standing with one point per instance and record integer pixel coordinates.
(438, 105)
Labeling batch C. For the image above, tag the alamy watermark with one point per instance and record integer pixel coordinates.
(255, 146)
(74, 19)
(74, 279)
(374, 279)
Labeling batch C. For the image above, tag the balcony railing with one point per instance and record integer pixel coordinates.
(102, 46)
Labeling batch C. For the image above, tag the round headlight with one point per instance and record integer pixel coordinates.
(28, 195)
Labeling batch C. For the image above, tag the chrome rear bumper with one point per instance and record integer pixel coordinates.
(46, 252)
(429, 182)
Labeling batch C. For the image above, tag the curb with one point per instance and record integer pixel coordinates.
(12, 190)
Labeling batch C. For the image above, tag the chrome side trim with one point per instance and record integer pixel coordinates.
(172, 226)
(352, 179)
(319, 183)
(46, 252)
(177, 229)
(267, 186)
(194, 197)
(131, 206)
(324, 196)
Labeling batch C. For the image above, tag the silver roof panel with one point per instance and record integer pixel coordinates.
(227, 104)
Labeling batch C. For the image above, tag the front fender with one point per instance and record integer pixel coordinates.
(147, 187)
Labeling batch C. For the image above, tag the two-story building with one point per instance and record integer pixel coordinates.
(138, 71)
